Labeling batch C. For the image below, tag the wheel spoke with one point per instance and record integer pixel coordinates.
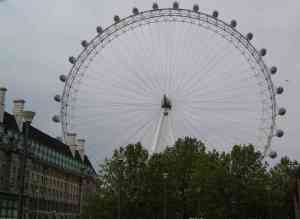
(202, 78)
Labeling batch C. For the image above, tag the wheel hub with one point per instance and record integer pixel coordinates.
(166, 104)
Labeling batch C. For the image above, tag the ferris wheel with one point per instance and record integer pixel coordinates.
(166, 73)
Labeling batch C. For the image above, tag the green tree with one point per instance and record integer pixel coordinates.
(121, 184)
(214, 185)
(280, 188)
(248, 176)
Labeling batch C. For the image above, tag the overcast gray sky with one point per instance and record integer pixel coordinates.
(36, 37)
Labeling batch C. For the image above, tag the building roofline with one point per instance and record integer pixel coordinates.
(39, 136)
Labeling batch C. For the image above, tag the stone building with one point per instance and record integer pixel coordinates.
(58, 177)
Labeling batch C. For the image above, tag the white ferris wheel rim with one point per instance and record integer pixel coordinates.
(170, 15)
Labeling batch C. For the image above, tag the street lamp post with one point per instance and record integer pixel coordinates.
(120, 160)
(37, 204)
(269, 190)
(81, 199)
(165, 176)
(198, 202)
(54, 214)
(35, 193)
(28, 117)
(42, 196)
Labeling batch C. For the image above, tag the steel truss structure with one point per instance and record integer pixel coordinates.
(212, 23)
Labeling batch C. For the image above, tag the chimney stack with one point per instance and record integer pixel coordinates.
(18, 109)
(80, 147)
(71, 142)
(2, 103)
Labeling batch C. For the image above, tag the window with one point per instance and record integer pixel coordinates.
(8, 208)
(61, 160)
(2, 180)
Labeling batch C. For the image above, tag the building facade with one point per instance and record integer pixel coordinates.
(58, 179)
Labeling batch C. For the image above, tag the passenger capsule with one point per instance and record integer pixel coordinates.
(135, 11)
(273, 70)
(56, 119)
(72, 59)
(279, 133)
(249, 36)
(117, 19)
(196, 8)
(273, 154)
(57, 98)
(282, 111)
(63, 78)
(99, 30)
(175, 5)
(233, 23)
(263, 52)
(84, 43)
(215, 14)
(279, 90)
(155, 6)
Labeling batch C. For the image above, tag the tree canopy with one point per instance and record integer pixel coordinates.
(188, 181)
